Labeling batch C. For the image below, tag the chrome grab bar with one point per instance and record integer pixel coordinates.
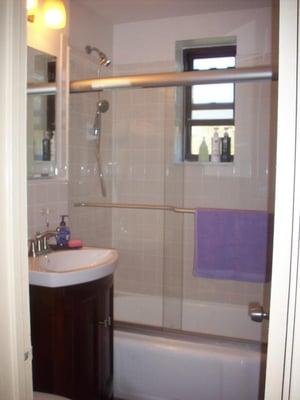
(137, 206)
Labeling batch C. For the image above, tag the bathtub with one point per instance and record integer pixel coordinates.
(219, 319)
(156, 368)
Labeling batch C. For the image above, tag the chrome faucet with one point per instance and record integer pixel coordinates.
(39, 245)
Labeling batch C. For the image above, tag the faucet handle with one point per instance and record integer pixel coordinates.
(38, 242)
(31, 248)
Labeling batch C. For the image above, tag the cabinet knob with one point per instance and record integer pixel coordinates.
(257, 313)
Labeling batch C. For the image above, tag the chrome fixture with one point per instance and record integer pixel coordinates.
(164, 79)
(257, 313)
(102, 107)
(138, 207)
(42, 88)
(39, 245)
(102, 58)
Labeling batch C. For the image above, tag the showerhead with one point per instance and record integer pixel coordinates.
(103, 106)
(103, 60)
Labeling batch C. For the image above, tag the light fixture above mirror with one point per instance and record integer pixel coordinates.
(31, 6)
(53, 12)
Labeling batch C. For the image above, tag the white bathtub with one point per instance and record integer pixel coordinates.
(155, 368)
(211, 318)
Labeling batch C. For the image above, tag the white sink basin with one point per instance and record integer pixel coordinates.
(71, 267)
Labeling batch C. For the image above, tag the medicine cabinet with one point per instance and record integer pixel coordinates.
(47, 115)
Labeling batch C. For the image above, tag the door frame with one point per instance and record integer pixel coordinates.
(283, 349)
(15, 348)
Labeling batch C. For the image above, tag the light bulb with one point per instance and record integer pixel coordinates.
(31, 6)
(54, 14)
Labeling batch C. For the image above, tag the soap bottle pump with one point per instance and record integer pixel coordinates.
(63, 233)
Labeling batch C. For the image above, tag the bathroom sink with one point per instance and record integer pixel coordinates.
(71, 267)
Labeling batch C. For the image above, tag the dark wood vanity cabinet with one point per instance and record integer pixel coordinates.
(72, 339)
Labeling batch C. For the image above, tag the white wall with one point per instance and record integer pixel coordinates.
(45, 194)
(92, 226)
(154, 40)
(83, 27)
(87, 28)
(45, 39)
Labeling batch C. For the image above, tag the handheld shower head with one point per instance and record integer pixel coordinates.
(102, 107)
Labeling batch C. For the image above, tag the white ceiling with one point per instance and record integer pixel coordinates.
(122, 11)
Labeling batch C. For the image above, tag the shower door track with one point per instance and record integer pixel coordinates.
(180, 334)
(163, 79)
(137, 206)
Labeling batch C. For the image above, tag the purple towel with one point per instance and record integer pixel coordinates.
(232, 244)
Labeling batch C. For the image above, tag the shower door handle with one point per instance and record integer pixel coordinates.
(257, 313)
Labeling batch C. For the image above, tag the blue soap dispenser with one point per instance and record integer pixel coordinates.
(63, 233)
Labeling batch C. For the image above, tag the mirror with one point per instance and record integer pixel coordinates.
(41, 117)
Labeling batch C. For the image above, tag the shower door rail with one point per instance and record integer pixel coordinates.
(137, 206)
(163, 79)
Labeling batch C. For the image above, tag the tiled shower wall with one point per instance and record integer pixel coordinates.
(149, 241)
(91, 225)
(47, 200)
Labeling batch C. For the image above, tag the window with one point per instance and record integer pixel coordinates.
(208, 107)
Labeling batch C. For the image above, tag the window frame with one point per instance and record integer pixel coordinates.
(189, 55)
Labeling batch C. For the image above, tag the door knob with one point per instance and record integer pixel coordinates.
(257, 313)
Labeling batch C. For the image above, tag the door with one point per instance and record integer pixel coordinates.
(285, 277)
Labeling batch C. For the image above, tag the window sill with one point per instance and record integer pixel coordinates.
(210, 164)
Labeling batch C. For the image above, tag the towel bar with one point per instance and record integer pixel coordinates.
(137, 206)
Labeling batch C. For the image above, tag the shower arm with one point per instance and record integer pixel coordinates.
(164, 79)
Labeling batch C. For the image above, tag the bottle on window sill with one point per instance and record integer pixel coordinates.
(46, 147)
(226, 147)
(215, 147)
(203, 151)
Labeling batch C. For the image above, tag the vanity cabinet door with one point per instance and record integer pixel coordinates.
(105, 343)
(51, 337)
(72, 340)
(93, 340)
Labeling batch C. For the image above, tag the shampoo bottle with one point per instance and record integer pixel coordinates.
(203, 151)
(215, 147)
(226, 147)
(46, 147)
(52, 146)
